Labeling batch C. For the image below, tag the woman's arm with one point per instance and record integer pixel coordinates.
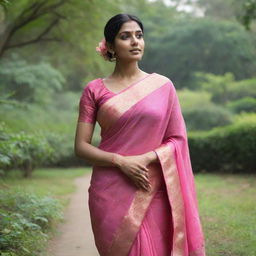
(130, 165)
(92, 154)
(151, 157)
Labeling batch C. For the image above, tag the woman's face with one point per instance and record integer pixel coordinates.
(128, 39)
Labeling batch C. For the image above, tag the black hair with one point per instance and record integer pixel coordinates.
(113, 26)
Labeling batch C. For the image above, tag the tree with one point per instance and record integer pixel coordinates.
(248, 13)
(77, 33)
(202, 45)
(29, 82)
(25, 13)
(243, 11)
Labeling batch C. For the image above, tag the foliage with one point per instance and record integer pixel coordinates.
(24, 221)
(29, 82)
(203, 45)
(216, 85)
(248, 13)
(61, 32)
(23, 151)
(63, 148)
(228, 149)
(220, 9)
(205, 118)
(224, 88)
(233, 10)
(192, 99)
(246, 104)
(55, 122)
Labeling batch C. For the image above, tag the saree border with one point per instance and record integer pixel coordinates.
(124, 237)
(166, 155)
(120, 103)
(130, 225)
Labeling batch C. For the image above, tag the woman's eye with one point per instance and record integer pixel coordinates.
(124, 37)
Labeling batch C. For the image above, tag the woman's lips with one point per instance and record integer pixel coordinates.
(135, 51)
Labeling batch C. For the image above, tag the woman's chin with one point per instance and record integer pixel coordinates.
(135, 57)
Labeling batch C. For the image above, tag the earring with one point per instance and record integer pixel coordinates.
(113, 57)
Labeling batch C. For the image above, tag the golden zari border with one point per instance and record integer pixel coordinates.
(131, 223)
(199, 252)
(120, 103)
(166, 156)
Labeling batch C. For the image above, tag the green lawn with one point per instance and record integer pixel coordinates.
(228, 213)
(57, 183)
(226, 202)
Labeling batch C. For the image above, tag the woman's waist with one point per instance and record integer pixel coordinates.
(102, 175)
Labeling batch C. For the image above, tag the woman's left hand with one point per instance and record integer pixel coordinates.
(132, 165)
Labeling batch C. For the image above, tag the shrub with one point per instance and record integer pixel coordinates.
(227, 149)
(207, 117)
(190, 99)
(224, 88)
(29, 82)
(23, 151)
(63, 148)
(247, 104)
(24, 220)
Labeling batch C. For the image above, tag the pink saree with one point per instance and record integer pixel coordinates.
(127, 221)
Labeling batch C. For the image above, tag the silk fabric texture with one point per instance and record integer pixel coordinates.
(127, 221)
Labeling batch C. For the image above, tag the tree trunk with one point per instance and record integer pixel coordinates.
(27, 169)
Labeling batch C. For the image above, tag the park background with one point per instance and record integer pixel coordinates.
(47, 56)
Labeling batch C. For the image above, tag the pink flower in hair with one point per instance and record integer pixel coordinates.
(102, 48)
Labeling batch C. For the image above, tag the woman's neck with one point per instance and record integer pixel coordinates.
(126, 70)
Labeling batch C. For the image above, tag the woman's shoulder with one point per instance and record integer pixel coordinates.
(92, 84)
(164, 78)
(97, 91)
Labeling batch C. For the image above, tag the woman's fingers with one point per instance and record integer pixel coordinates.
(143, 183)
(144, 168)
(140, 177)
(146, 187)
(143, 178)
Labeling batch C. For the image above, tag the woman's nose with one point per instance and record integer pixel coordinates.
(134, 40)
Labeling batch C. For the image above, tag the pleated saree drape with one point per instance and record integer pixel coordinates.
(127, 221)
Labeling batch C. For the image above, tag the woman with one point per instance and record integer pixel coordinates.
(142, 197)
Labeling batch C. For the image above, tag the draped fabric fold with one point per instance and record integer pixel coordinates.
(174, 157)
(144, 117)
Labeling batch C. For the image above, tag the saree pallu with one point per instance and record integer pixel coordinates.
(144, 117)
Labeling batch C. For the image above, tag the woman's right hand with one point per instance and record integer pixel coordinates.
(132, 167)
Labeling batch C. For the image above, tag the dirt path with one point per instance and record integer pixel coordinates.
(75, 235)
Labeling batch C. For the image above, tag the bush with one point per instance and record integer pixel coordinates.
(247, 104)
(228, 149)
(190, 99)
(224, 88)
(29, 82)
(207, 117)
(63, 148)
(23, 151)
(242, 89)
(24, 220)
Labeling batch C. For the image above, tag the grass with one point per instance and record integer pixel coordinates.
(228, 213)
(57, 183)
(53, 183)
(226, 203)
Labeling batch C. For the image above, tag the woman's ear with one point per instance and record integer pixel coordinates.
(110, 47)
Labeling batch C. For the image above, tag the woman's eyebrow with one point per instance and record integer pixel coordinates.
(129, 31)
